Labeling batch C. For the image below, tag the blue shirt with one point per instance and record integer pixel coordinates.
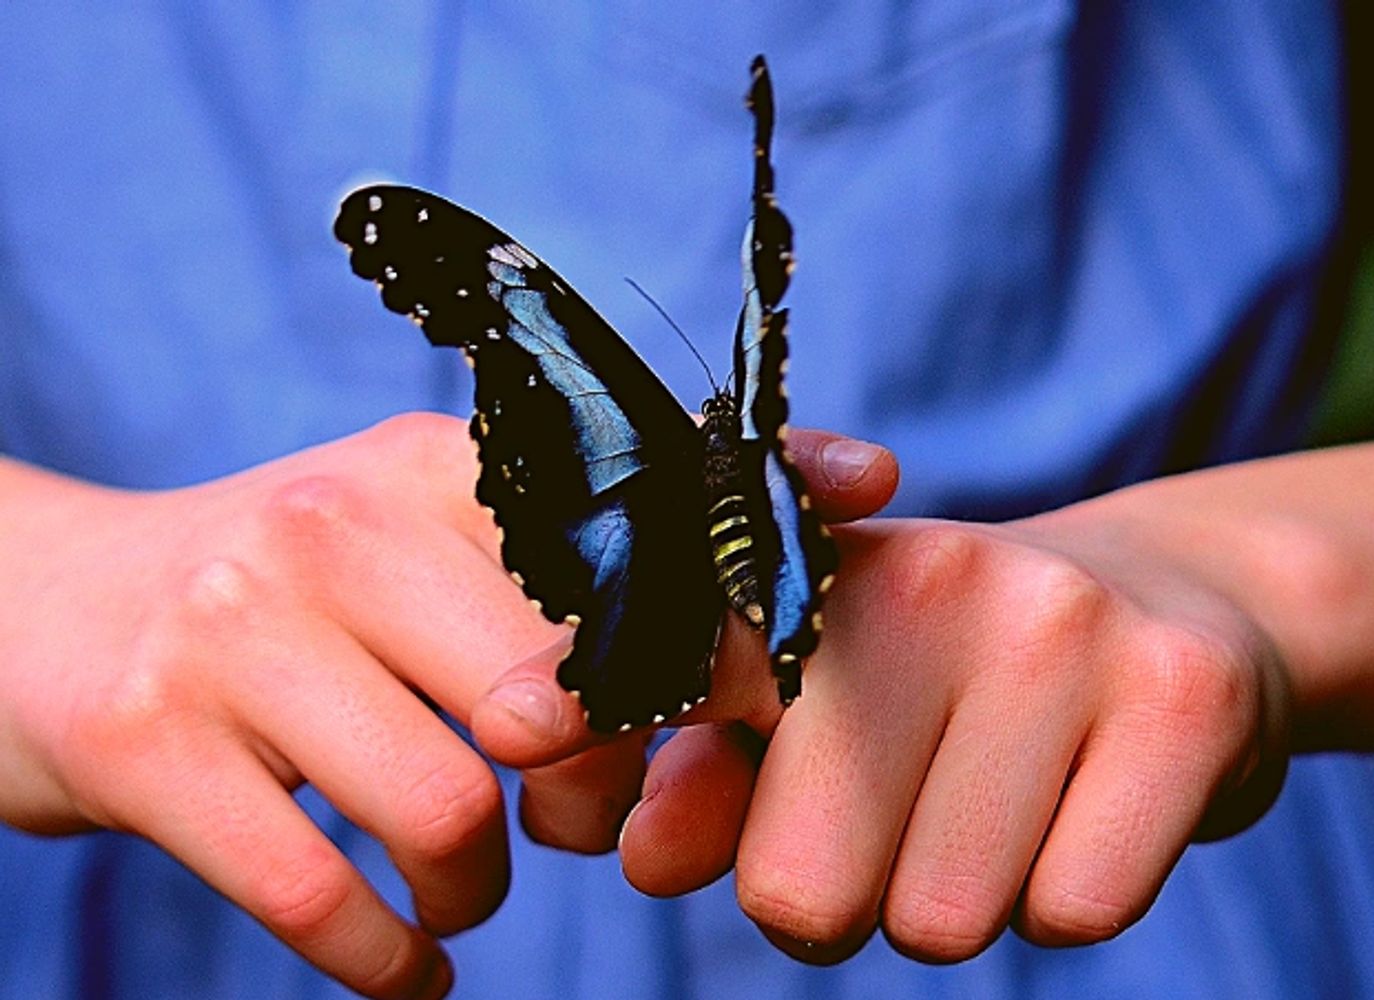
(1045, 249)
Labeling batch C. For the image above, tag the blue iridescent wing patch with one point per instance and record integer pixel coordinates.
(797, 557)
(591, 467)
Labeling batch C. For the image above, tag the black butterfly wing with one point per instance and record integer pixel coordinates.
(796, 556)
(587, 461)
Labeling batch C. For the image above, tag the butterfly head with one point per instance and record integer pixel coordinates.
(720, 416)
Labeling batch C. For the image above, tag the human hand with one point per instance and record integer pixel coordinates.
(176, 662)
(1022, 723)
(1004, 724)
(578, 802)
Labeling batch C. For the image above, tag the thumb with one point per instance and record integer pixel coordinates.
(526, 719)
(846, 478)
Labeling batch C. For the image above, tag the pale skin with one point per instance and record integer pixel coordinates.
(1113, 679)
(1022, 723)
(175, 661)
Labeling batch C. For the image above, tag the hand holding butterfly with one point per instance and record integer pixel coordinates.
(175, 662)
(1025, 722)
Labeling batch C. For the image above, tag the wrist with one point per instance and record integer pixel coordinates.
(1261, 537)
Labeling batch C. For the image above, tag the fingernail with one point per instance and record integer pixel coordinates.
(530, 701)
(845, 460)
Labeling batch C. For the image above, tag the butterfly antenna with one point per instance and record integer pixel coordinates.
(685, 339)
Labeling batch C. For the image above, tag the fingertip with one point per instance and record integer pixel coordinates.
(529, 722)
(526, 719)
(580, 804)
(848, 478)
(862, 476)
(684, 833)
(439, 980)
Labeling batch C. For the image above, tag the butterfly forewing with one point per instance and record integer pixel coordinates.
(587, 461)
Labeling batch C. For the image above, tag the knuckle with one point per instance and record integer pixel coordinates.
(144, 722)
(801, 907)
(440, 814)
(304, 898)
(934, 562)
(135, 715)
(314, 511)
(214, 595)
(1068, 601)
(1196, 681)
(946, 920)
(1054, 611)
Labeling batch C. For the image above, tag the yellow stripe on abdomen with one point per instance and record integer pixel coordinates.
(732, 546)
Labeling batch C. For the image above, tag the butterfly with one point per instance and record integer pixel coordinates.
(618, 513)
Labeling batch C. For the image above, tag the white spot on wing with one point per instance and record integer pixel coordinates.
(422, 215)
(374, 203)
(370, 232)
(502, 253)
(526, 258)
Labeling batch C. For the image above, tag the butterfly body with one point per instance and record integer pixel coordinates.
(727, 508)
(619, 514)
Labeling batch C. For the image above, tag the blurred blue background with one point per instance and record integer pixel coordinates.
(1044, 249)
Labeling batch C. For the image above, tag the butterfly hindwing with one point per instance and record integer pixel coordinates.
(800, 555)
(796, 556)
(586, 459)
